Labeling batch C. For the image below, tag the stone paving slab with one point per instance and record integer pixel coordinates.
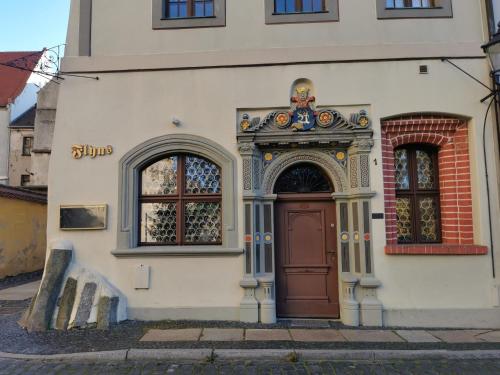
(493, 336)
(21, 292)
(370, 336)
(462, 336)
(417, 336)
(267, 335)
(159, 335)
(221, 334)
(317, 335)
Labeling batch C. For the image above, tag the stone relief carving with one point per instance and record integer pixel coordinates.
(353, 163)
(365, 170)
(334, 170)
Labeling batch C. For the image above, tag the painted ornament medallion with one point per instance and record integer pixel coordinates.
(303, 111)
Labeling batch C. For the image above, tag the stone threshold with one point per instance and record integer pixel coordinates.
(322, 335)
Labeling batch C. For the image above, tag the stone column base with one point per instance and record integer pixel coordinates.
(371, 312)
(268, 305)
(249, 307)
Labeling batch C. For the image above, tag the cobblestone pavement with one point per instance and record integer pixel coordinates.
(455, 367)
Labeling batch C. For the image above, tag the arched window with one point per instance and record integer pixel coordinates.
(417, 194)
(181, 202)
(302, 178)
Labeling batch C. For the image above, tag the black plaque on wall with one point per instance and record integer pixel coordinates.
(91, 217)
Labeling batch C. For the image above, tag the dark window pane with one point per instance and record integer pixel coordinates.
(158, 223)
(404, 219)
(199, 9)
(160, 178)
(302, 178)
(280, 6)
(402, 170)
(173, 11)
(425, 170)
(202, 176)
(428, 217)
(209, 9)
(202, 222)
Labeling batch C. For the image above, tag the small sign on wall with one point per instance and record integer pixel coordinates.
(83, 217)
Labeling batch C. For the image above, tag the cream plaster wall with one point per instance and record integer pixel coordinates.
(131, 32)
(4, 144)
(19, 164)
(125, 109)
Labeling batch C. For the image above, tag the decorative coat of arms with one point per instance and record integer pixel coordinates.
(303, 116)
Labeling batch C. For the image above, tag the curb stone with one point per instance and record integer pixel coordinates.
(115, 355)
(262, 354)
(257, 354)
(169, 354)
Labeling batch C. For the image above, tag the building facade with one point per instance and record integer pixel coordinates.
(255, 160)
(18, 94)
(21, 146)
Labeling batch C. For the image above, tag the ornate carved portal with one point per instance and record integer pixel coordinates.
(269, 145)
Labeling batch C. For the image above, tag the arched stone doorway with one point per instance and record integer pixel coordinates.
(306, 260)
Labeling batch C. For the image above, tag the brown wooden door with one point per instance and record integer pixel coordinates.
(306, 259)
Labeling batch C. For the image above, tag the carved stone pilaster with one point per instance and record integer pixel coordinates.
(371, 307)
(249, 307)
(268, 304)
(252, 167)
(359, 164)
(350, 307)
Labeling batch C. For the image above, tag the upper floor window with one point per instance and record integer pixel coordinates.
(401, 4)
(298, 6)
(27, 145)
(414, 9)
(178, 14)
(189, 8)
(417, 194)
(291, 11)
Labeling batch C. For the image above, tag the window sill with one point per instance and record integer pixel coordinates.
(433, 249)
(175, 251)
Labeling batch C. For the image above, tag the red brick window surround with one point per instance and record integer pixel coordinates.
(450, 136)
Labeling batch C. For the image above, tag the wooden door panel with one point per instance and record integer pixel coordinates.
(305, 229)
(306, 262)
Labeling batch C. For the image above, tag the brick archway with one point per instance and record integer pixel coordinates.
(450, 135)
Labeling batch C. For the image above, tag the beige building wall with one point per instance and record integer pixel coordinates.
(22, 234)
(147, 77)
(4, 145)
(19, 164)
(44, 132)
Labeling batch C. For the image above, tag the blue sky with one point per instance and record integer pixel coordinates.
(30, 25)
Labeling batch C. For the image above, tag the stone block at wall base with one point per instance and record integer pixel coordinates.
(443, 318)
(46, 299)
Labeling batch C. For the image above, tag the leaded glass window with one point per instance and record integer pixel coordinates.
(181, 202)
(302, 178)
(298, 6)
(189, 8)
(417, 194)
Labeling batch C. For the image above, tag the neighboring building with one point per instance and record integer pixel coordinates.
(22, 246)
(17, 95)
(43, 135)
(253, 160)
(21, 146)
